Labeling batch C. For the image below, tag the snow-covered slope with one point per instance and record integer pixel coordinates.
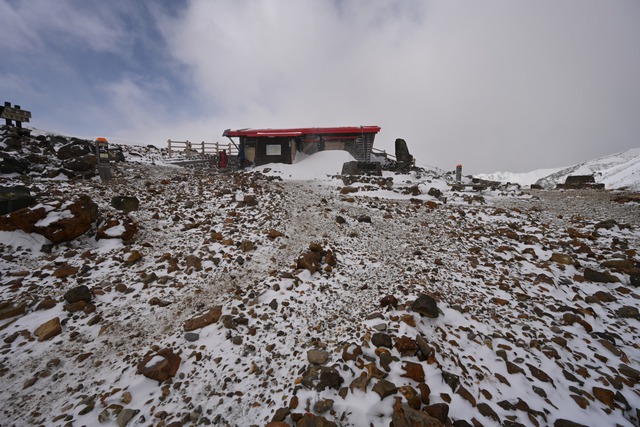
(617, 171)
(523, 178)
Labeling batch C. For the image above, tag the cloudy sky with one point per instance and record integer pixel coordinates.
(495, 85)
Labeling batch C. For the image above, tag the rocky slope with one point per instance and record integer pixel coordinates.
(187, 297)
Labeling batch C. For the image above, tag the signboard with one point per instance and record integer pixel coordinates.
(274, 150)
(12, 113)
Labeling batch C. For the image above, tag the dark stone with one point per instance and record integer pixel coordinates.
(426, 306)
(488, 411)
(15, 198)
(381, 340)
(403, 157)
(12, 165)
(452, 380)
(364, 218)
(389, 301)
(321, 377)
(434, 192)
(362, 168)
(77, 148)
(84, 165)
(191, 336)
(385, 388)
(598, 276)
(560, 422)
(628, 312)
(125, 203)
(606, 224)
(79, 293)
(635, 280)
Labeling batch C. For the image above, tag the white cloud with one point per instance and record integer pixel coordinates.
(496, 83)
(492, 84)
(31, 26)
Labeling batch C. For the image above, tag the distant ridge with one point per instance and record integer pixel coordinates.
(616, 171)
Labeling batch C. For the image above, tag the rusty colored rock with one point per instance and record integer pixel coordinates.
(414, 371)
(166, 365)
(211, 316)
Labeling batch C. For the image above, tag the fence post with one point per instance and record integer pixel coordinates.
(188, 149)
(169, 145)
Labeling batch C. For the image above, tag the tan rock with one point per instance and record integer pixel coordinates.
(48, 329)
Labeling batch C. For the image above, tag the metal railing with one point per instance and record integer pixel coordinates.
(191, 149)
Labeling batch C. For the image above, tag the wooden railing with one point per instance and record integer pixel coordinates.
(199, 149)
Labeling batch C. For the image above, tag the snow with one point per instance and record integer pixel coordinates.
(54, 216)
(317, 166)
(243, 384)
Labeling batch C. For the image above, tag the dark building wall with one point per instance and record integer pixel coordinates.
(272, 150)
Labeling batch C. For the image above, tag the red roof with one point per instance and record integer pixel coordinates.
(301, 131)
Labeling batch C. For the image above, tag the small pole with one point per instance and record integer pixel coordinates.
(169, 145)
(8, 121)
(458, 173)
(188, 148)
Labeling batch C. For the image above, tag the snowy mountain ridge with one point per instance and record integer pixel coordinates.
(616, 171)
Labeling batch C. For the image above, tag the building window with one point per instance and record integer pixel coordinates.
(274, 150)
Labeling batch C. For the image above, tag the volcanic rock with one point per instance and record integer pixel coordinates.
(79, 293)
(159, 366)
(211, 316)
(125, 204)
(48, 329)
(426, 306)
(15, 198)
(321, 377)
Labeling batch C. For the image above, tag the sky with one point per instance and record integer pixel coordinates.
(494, 85)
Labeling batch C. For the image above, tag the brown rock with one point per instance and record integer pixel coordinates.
(12, 310)
(406, 346)
(274, 234)
(309, 260)
(439, 411)
(160, 366)
(426, 306)
(411, 395)
(604, 395)
(539, 374)
(599, 276)
(404, 416)
(84, 213)
(75, 306)
(414, 371)
(466, 395)
(48, 329)
(193, 263)
(488, 411)
(351, 352)
(118, 227)
(211, 316)
(385, 388)
(562, 259)
(65, 270)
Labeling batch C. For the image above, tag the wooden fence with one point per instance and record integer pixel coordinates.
(191, 149)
